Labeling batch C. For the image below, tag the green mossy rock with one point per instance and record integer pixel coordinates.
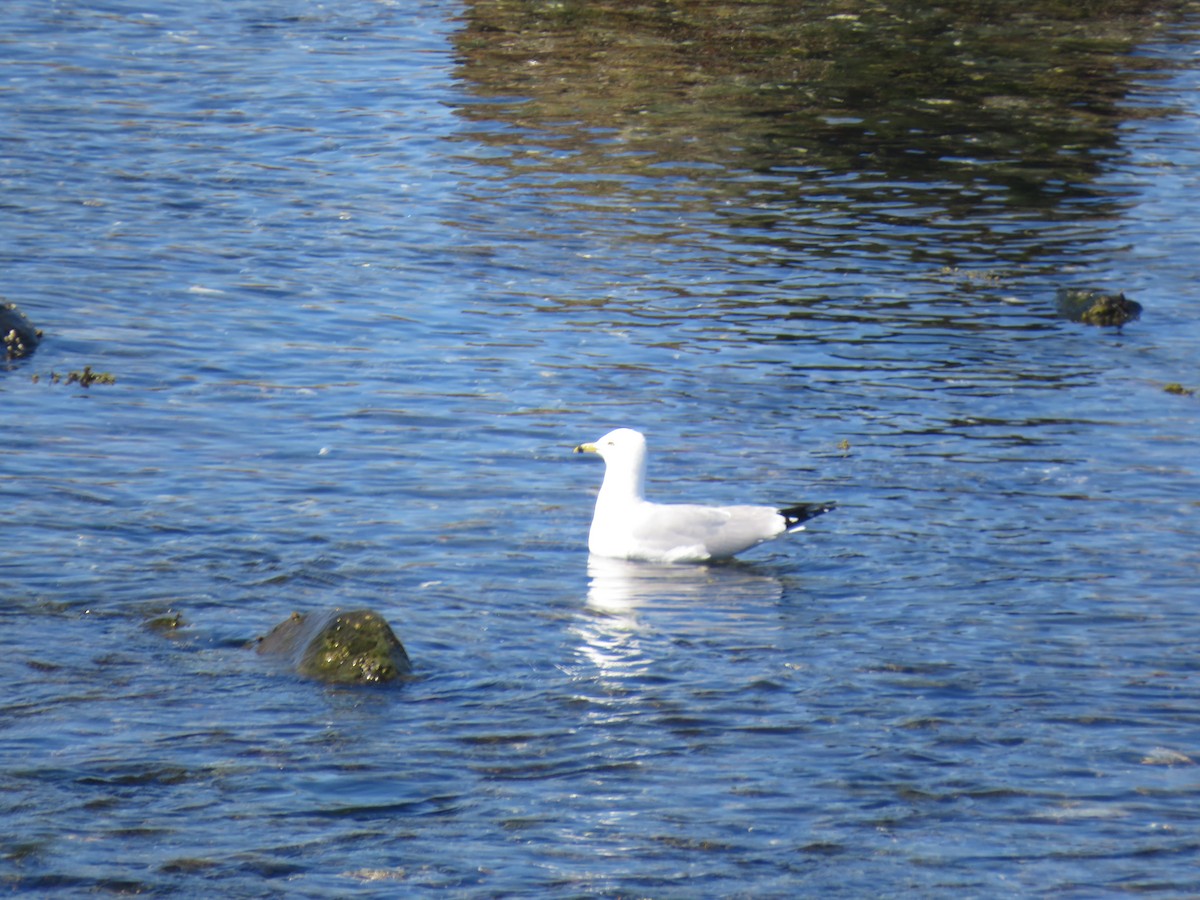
(339, 647)
(17, 332)
(1096, 307)
(169, 624)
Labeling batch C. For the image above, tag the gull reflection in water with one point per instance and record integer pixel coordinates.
(634, 608)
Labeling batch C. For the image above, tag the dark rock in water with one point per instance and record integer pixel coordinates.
(1096, 307)
(339, 647)
(167, 624)
(87, 377)
(19, 336)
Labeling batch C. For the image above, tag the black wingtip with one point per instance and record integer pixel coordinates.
(802, 512)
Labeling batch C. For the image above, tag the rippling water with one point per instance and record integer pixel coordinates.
(359, 311)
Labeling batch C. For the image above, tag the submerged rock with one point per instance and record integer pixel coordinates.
(339, 646)
(85, 379)
(167, 624)
(1094, 307)
(19, 336)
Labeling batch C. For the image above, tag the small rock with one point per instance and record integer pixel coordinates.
(167, 624)
(1094, 307)
(19, 335)
(339, 647)
(87, 377)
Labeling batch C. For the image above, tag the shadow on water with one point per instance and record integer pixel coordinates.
(948, 121)
(1034, 97)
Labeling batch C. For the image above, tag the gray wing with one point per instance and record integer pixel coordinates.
(698, 532)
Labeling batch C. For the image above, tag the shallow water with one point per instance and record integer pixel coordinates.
(361, 296)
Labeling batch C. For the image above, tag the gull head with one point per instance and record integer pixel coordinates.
(624, 455)
(618, 446)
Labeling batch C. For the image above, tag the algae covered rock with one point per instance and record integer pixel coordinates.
(17, 332)
(339, 646)
(1094, 307)
(168, 624)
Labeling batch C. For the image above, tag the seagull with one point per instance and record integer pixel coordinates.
(628, 526)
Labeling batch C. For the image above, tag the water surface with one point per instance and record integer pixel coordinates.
(364, 275)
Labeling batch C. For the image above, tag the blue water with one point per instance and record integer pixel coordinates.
(356, 327)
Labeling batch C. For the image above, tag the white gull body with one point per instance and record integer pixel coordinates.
(628, 526)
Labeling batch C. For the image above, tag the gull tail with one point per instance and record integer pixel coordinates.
(802, 512)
